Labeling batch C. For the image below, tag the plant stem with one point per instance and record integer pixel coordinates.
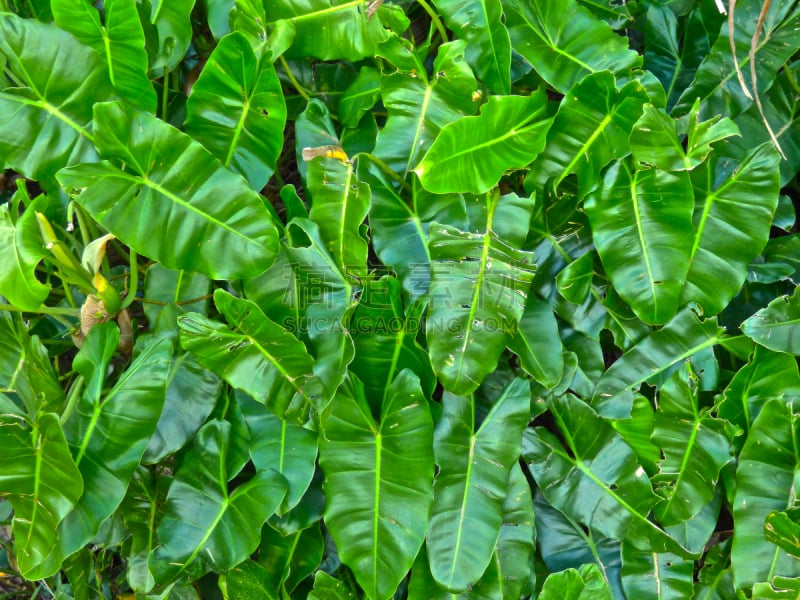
(72, 398)
(44, 310)
(133, 281)
(165, 95)
(437, 22)
(83, 225)
(300, 89)
(385, 168)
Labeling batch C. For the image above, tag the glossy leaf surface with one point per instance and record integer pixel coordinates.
(170, 179)
(383, 476)
(769, 452)
(37, 111)
(591, 128)
(776, 326)
(646, 214)
(19, 241)
(253, 354)
(508, 134)
(43, 484)
(108, 434)
(120, 40)
(731, 221)
(480, 24)
(562, 41)
(237, 111)
(478, 289)
(595, 477)
(474, 464)
(204, 524)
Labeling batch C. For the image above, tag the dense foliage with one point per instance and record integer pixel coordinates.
(454, 299)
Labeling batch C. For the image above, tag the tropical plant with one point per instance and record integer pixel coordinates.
(337, 299)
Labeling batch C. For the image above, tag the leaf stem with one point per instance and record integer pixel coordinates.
(83, 225)
(297, 85)
(165, 95)
(385, 168)
(72, 399)
(44, 310)
(792, 81)
(10, 74)
(437, 22)
(133, 281)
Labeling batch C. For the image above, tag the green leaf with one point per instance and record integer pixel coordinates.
(175, 288)
(237, 111)
(640, 221)
(564, 42)
(508, 134)
(419, 107)
(359, 97)
(715, 580)
(108, 434)
(767, 375)
(781, 588)
(313, 129)
(284, 447)
(716, 83)
(42, 482)
(480, 24)
(478, 291)
(330, 29)
(586, 583)
(732, 219)
(474, 465)
(516, 545)
(339, 205)
(254, 355)
(172, 22)
(775, 326)
(673, 53)
(290, 559)
(780, 106)
(654, 139)
(171, 180)
(378, 480)
(597, 479)
(140, 508)
(537, 343)
(658, 575)
(781, 528)
(702, 134)
(249, 580)
(219, 14)
(325, 298)
(399, 231)
(684, 336)
(384, 335)
(565, 543)
(192, 392)
(21, 251)
(120, 42)
(329, 588)
(26, 373)
(41, 108)
(574, 282)
(591, 129)
(764, 483)
(206, 527)
(694, 448)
